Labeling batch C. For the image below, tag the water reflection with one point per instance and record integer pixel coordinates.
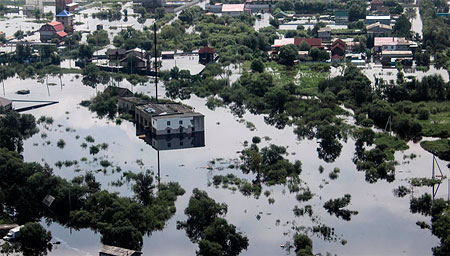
(172, 141)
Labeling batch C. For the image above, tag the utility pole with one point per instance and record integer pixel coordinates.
(156, 67)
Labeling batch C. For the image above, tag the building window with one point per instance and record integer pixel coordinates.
(181, 143)
(169, 145)
(181, 121)
(193, 129)
(168, 131)
(168, 122)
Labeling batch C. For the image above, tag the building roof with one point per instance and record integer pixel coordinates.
(156, 109)
(384, 41)
(135, 100)
(233, 7)
(341, 13)
(338, 46)
(61, 33)
(119, 51)
(385, 17)
(313, 42)
(117, 251)
(58, 26)
(339, 42)
(325, 29)
(64, 13)
(72, 4)
(378, 24)
(206, 50)
(119, 91)
(4, 102)
(167, 52)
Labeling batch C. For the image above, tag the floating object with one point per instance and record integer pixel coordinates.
(23, 92)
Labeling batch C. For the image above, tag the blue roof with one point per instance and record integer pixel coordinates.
(64, 13)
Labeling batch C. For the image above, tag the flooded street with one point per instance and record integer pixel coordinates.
(383, 226)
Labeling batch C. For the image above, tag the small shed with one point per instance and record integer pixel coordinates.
(109, 250)
(5, 104)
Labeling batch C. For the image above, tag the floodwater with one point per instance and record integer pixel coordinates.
(384, 225)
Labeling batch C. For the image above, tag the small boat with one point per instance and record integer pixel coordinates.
(23, 92)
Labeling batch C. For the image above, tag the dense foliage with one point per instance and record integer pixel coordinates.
(206, 227)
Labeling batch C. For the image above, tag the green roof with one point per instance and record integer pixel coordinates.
(341, 13)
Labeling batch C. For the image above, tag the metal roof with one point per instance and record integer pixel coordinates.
(64, 13)
(4, 102)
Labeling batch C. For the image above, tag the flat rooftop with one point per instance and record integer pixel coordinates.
(165, 109)
(117, 251)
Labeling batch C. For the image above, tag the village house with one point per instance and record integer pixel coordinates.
(390, 57)
(378, 30)
(115, 54)
(5, 104)
(386, 20)
(51, 30)
(172, 118)
(129, 104)
(66, 18)
(338, 48)
(233, 10)
(393, 44)
(108, 250)
(324, 33)
(206, 55)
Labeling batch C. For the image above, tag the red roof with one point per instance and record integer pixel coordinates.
(338, 46)
(58, 26)
(340, 42)
(61, 33)
(206, 50)
(313, 42)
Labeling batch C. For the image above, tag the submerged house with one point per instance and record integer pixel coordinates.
(54, 29)
(171, 118)
(129, 104)
(108, 250)
(206, 55)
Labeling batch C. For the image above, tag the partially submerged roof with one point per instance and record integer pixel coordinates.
(64, 13)
(61, 33)
(233, 7)
(166, 109)
(117, 251)
(206, 50)
(4, 102)
(134, 100)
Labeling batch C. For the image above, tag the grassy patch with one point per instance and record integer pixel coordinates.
(390, 144)
(441, 148)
